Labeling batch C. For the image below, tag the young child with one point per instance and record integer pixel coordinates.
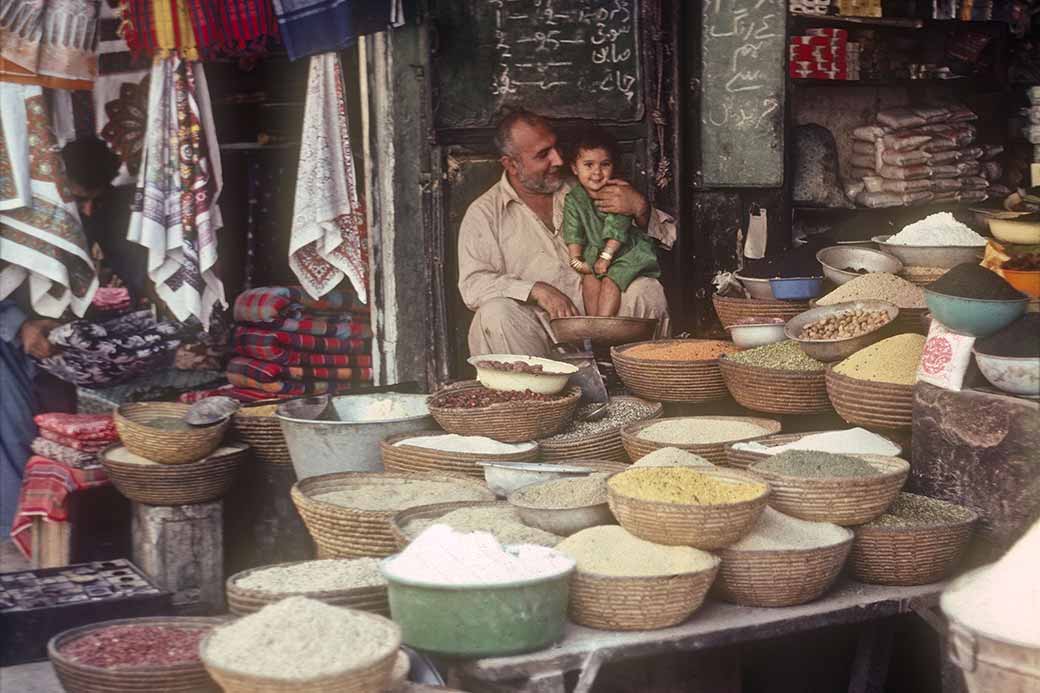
(605, 248)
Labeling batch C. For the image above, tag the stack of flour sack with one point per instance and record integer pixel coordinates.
(922, 154)
(288, 344)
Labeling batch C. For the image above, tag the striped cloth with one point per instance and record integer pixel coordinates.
(267, 372)
(84, 427)
(289, 357)
(87, 446)
(256, 337)
(46, 486)
(272, 303)
(294, 387)
(64, 454)
(244, 395)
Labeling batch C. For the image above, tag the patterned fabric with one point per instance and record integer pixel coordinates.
(45, 488)
(159, 27)
(99, 354)
(41, 238)
(64, 454)
(89, 446)
(309, 27)
(328, 239)
(232, 27)
(288, 357)
(50, 43)
(86, 427)
(359, 329)
(270, 303)
(175, 213)
(267, 372)
(292, 387)
(242, 394)
(256, 337)
(111, 299)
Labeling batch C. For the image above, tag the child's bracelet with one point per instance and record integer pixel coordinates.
(606, 256)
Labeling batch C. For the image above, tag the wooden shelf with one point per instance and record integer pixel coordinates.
(870, 22)
(978, 85)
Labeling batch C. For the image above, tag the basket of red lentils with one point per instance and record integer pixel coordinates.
(133, 654)
(673, 370)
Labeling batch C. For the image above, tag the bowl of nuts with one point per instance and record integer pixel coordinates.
(513, 372)
(831, 333)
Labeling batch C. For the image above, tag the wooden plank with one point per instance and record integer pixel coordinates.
(715, 625)
(51, 543)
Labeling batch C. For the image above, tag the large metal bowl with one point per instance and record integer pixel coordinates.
(603, 331)
(505, 477)
(946, 257)
(758, 288)
(835, 258)
(829, 350)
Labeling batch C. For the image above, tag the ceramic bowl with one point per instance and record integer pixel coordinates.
(946, 257)
(796, 288)
(1026, 281)
(1015, 231)
(758, 288)
(974, 316)
(836, 258)
(1017, 375)
(550, 381)
(753, 334)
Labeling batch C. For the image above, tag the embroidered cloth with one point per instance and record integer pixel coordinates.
(50, 43)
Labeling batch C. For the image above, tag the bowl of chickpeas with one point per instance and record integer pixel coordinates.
(831, 333)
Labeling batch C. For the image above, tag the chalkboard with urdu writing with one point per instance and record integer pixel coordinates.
(560, 58)
(743, 74)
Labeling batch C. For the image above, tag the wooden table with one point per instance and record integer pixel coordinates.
(716, 624)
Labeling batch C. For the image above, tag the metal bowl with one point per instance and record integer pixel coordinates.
(754, 334)
(828, 350)
(873, 261)
(550, 381)
(758, 288)
(946, 257)
(565, 522)
(505, 477)
(1017, 375)
(602, 330)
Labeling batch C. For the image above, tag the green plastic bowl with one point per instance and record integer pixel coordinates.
(974, 316)
(480, 621)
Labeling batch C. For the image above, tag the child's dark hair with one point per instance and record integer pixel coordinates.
(593, 138)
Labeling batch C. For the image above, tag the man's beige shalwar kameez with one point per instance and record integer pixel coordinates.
(504, 248)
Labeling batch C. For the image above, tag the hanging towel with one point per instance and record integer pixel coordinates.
(328, 238)
(41, 238)
(175, 213)
(50, 43)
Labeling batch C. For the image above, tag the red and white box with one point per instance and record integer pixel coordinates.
(839, 34)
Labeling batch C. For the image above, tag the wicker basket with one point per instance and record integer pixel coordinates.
(264, 435)
(775, 391)
(742, 459)
(841, 500)
(638, 603)
(715, 453)
(922, 276)
(426, 512)
(866, 403)
(733, 310)
(82, 678)
(373, 677)
(411, 459)
(341, 532)
(133, 423)
(243, 601)
(910, 555)
(176, 484)
(508, 422)
(669, 381)
(605, 445)
(780, 578)
(700, 526)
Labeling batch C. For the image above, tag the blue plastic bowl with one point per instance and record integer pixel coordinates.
(974, 316)
(796, 288)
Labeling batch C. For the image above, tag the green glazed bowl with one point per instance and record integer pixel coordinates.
(480, 621)
(974, 316)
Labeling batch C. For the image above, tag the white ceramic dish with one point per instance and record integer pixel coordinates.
(550, 381)
(750, 335)
(1019, 376)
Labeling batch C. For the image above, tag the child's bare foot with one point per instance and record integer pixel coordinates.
(609, 298)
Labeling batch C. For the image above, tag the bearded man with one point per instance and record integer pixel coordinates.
(513, 261)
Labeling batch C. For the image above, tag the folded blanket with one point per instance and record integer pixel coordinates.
(288, 357)
(89, 446)
(293, 387)
(254, 336)
(270, 303)
(98, 427)
(64, 454)
(244, 395)
(267, 372)
(318, 327)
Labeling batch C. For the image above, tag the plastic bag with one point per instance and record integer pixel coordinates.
(887, 199)
(942, 185)
(865, 148)
(912, 157)
(932, 114)
(974, 183)
(992, 170)
(945, 358)
(863, 161)
(991, 151)
(900, 118)
(869, 133)
(902, 143)
(905, 172)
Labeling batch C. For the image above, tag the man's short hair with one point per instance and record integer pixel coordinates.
(504, 131)
(89, 163)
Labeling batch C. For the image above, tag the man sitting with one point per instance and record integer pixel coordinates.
(513, 261)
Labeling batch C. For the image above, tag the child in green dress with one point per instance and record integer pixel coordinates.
(606, 249)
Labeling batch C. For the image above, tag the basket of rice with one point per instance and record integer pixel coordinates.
(470, 409)
(824, 487)
(855, 441)
(256, 425)
(301, 645)
(623, 582)
(356, 583)
(682, 506)
(349, 514)
(437, 451)
(499, 518)
(917, 541)
(673, 370)
(783, 561)
(188, 483)
(702, 435)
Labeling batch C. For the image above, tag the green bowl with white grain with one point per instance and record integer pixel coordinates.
(479, 620)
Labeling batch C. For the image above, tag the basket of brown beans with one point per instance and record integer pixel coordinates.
(469, 409)
(831, 333)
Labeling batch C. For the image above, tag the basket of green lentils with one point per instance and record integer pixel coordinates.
(776, 378)
(919, 540)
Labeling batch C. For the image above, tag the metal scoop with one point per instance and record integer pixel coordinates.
(211, 410)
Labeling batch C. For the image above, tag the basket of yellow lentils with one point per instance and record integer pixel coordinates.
(257, 425)
(680, 506)
(874, 387)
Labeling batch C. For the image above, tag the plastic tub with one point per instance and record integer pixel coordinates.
(796, 288)
(1026, 281)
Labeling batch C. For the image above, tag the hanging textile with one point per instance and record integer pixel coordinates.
(328, 239)
(175, 213)
(313, 27)
(198, 27)
(50, 43)
(41, 238)
(159, 27)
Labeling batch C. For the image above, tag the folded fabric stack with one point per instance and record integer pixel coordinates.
(288, 344)
(65, 461)
(110, 300)
(922, 154)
